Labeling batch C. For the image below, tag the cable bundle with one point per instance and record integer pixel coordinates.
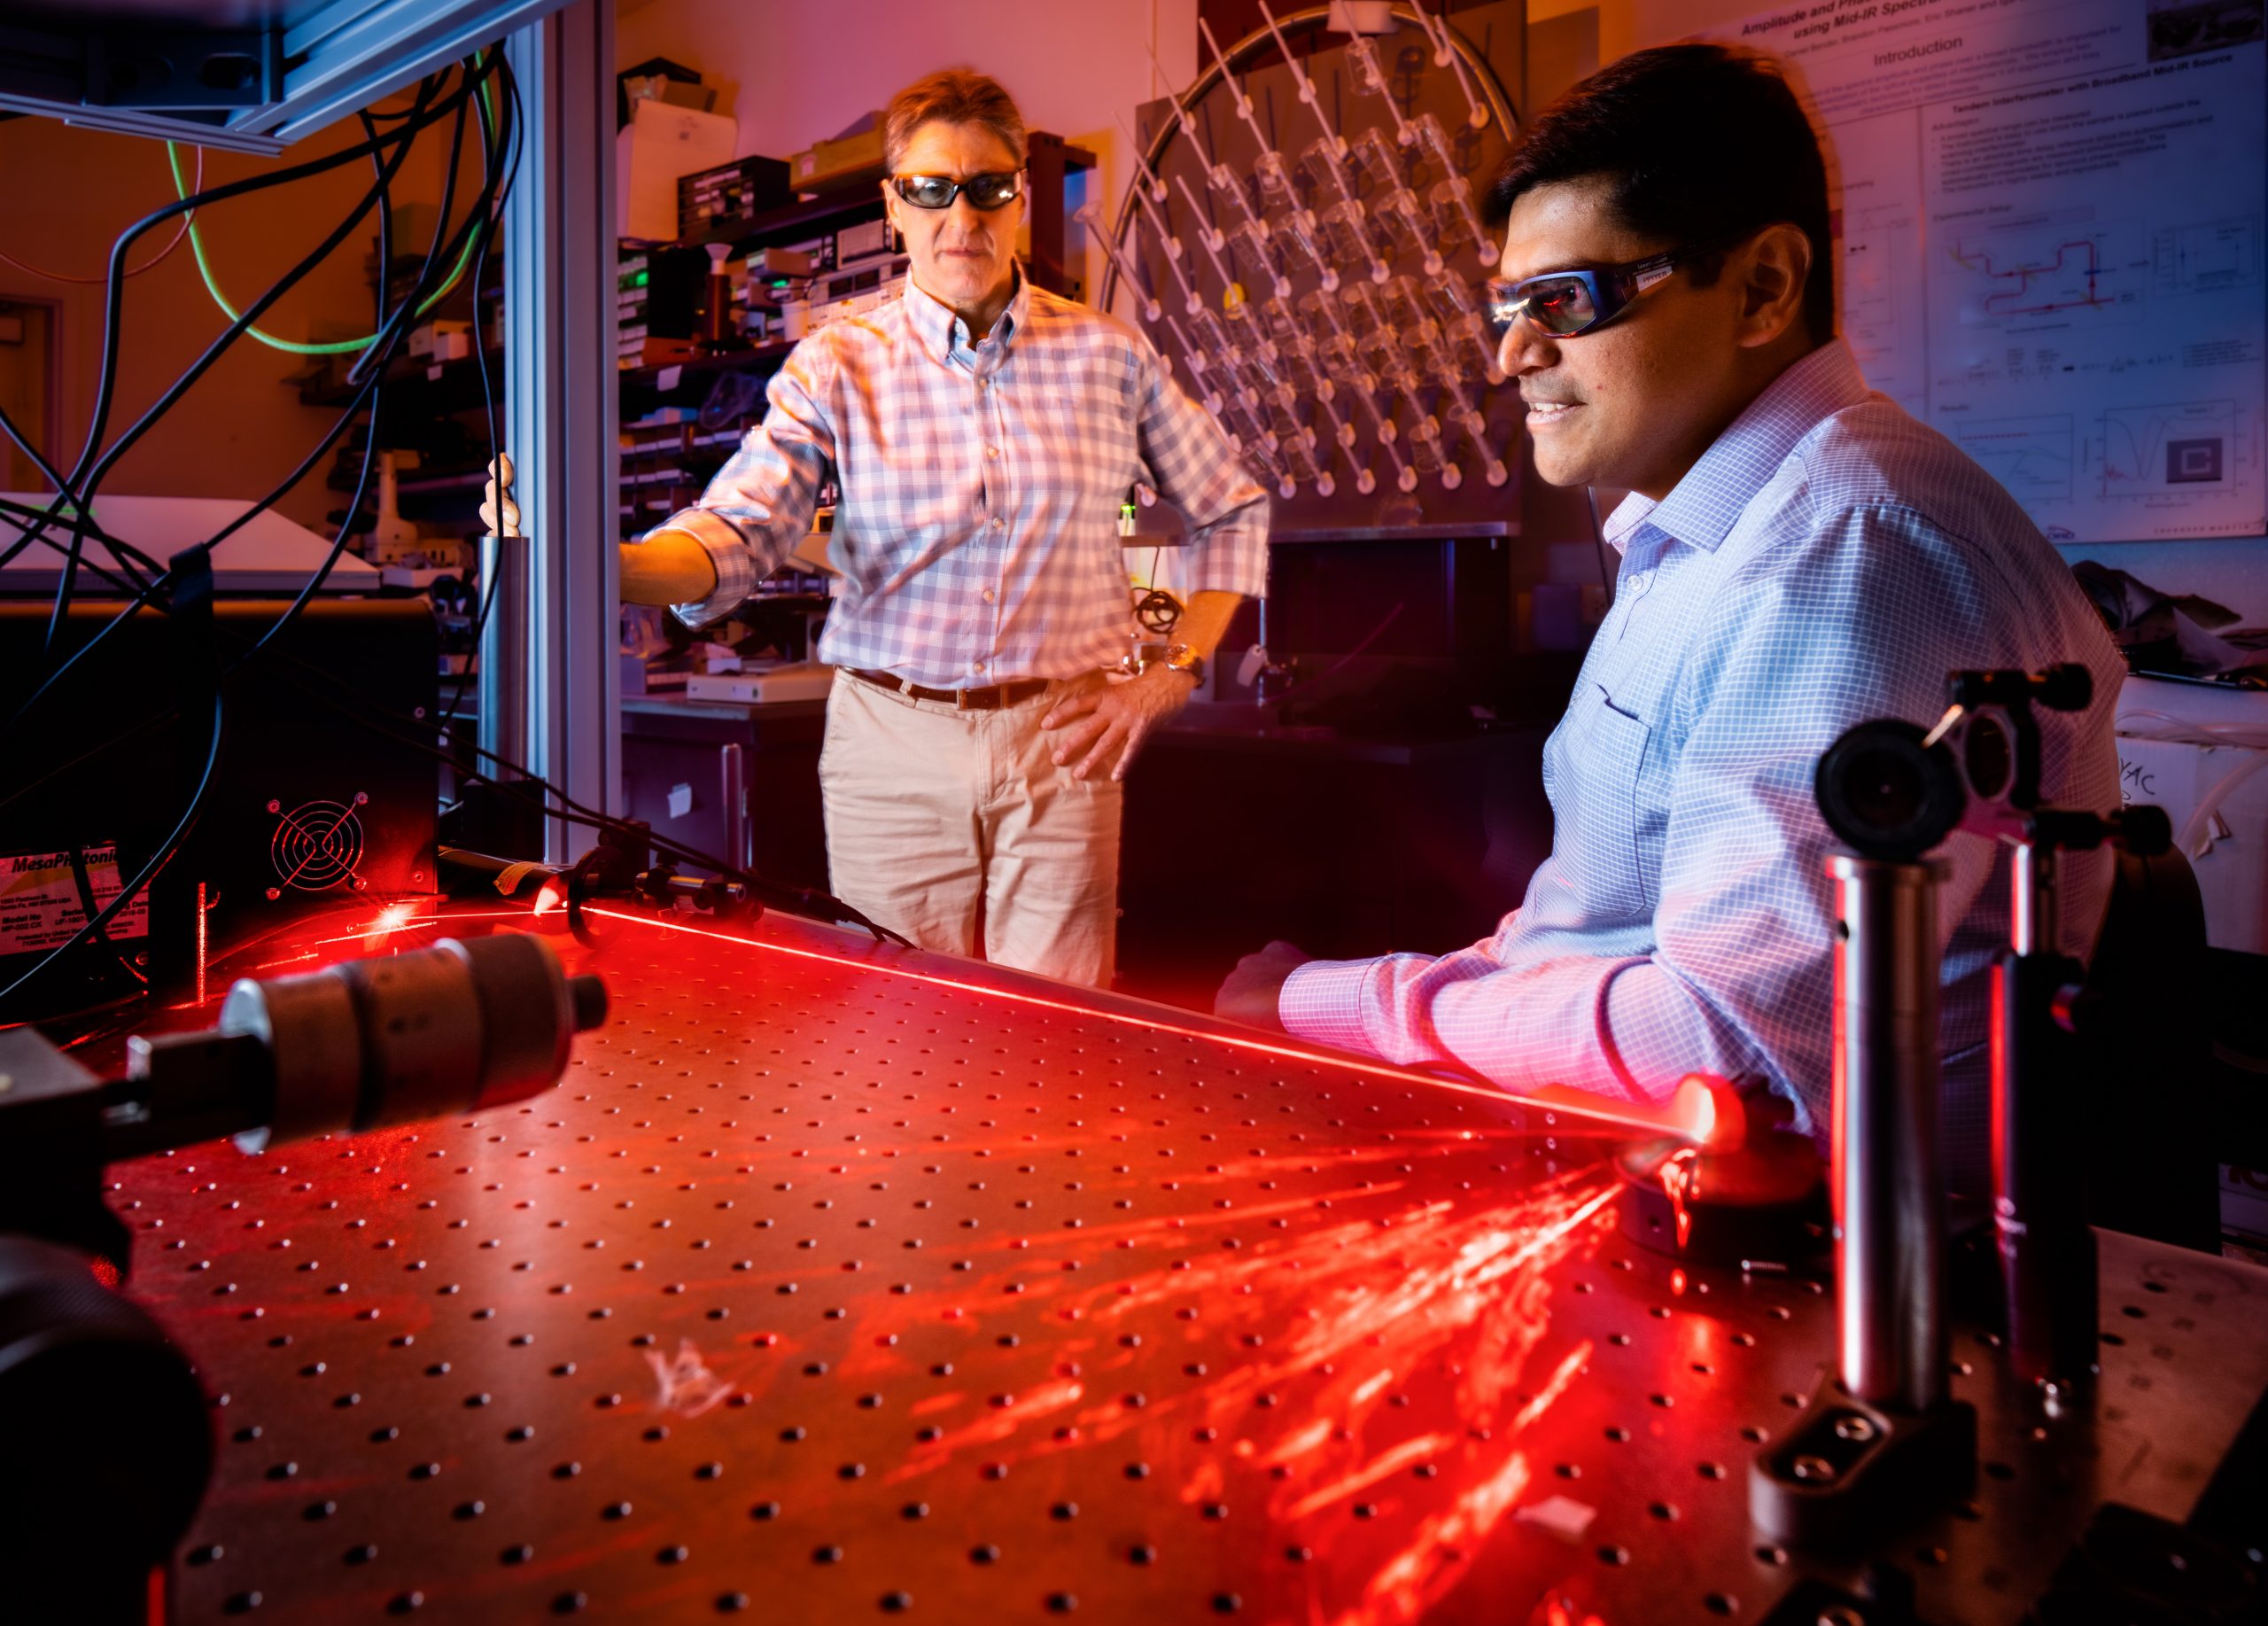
(483, 93)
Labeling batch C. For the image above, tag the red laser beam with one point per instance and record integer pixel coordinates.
(1691, 1113)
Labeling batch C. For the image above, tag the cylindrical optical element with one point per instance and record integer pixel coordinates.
(455, 1027)
(1889, 1203)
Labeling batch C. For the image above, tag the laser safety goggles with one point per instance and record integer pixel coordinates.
(1564, 304)
(987, 192)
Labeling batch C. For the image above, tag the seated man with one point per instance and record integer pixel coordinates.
(1798, 555)
(983, 434)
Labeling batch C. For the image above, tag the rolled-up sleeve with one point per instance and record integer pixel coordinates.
(1199, 472)
(760, 505)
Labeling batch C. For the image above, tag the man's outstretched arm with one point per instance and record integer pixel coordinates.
(1738, 978)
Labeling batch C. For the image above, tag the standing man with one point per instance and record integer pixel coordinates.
(1798, 555)
(983, 434)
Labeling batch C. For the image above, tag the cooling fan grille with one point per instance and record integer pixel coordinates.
(317, 846)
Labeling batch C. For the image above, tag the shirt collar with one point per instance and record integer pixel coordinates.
(1701, 508)
(943, 334)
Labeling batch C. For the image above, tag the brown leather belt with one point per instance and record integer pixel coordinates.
(989, 699)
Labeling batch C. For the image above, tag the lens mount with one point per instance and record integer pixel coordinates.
(1887, 795)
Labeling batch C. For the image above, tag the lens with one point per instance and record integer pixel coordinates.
(1561, 305)
(1886, 796)
(1986, 757)
(1884, 788)
(1500, 302)
(991, 191)
(926, 191)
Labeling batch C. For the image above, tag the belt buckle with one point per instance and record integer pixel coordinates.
(960, 700)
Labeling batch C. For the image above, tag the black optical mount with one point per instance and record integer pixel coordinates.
(109, 1445)
(1884, 1439)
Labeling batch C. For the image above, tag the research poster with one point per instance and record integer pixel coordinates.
(2051, 235)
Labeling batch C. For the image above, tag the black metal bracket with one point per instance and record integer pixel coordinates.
(52, 1150)
(159, 70)
(1849, 1473)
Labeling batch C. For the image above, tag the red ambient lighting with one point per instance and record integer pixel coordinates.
(1693, 1111)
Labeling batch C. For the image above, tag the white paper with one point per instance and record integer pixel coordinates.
(2052, 239)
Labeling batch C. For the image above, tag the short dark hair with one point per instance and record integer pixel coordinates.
(1697, 144)
(953, 96)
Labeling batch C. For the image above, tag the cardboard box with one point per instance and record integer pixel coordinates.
(440, 339)
(826, 165)
(660, 144)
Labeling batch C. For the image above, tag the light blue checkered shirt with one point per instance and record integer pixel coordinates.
(1826, 560)
(977, 530)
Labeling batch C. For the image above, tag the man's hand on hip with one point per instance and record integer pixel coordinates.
(1251, 991)
(1104, 721)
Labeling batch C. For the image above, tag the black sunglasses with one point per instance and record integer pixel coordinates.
(987, 192)
(1564, 304)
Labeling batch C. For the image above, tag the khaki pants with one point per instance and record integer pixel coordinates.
(958, 829)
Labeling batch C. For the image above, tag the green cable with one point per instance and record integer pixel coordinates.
(343, 346)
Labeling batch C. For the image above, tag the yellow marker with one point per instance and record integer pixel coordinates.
(1233, 296)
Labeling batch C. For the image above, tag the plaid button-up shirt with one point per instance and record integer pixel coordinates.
(1826, 560)
(977, 531)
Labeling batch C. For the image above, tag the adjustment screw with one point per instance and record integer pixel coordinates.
(1850, 1425)
(1819, 1470)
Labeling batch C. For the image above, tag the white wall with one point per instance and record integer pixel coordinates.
(793, 72)
(66, 192)
(2235, 571)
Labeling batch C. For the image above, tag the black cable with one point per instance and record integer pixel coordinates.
(388, 338)
(124, 551)
(382, 343)
(514, 145)
(135, 732)
(385, 342)
(426, 113)
(343, 423)
(83, 882)
(362, 711)
(338, 234)
(82, 517)
(152, 593)
(148, 872)
(84, 480)
(367, 714)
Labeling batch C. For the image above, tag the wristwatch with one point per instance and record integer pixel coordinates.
(1181, 657)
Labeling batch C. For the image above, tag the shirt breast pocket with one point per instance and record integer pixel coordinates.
(1598, 839)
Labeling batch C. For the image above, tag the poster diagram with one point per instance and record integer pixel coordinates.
(2052, 243)
(2011, 277)
(2154, 451)
(2211, 257)
(2034, 458)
